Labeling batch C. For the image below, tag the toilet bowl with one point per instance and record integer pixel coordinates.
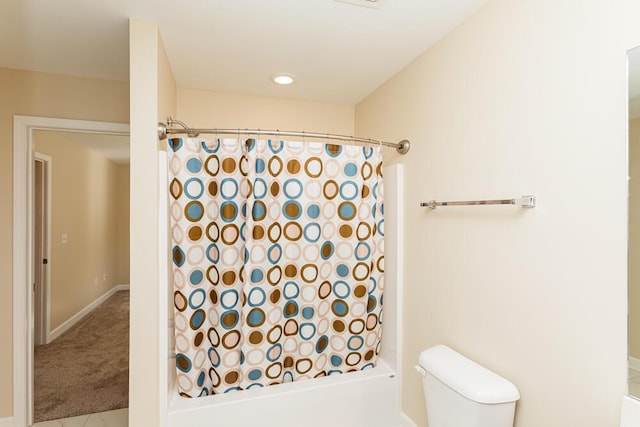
(461, 393)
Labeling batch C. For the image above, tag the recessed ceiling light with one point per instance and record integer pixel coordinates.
(282, 79)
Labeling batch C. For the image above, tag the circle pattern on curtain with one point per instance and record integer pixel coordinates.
(278, 264)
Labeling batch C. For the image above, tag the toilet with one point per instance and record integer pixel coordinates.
(461, 393)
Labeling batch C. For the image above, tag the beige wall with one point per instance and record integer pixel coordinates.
(152, 99)
(47, 95)
(634, 238)
(223, 110)
(122, 215)
(525, 97)
(85, 206)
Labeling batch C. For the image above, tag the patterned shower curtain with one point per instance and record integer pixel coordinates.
(277, 261)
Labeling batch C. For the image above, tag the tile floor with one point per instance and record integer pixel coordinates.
(634, 382)
(117, 418)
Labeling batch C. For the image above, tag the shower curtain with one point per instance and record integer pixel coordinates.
(278, 262)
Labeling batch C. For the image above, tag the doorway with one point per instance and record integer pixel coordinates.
(81, 362)
(24, 300)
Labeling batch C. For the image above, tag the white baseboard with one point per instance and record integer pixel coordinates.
(634, 363)
(405, 421)
(82, 313)
(6, 422)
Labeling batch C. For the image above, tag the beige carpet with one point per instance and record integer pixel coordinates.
(86, 369)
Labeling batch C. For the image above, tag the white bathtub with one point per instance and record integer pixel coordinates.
(630, 412)
(368, 398)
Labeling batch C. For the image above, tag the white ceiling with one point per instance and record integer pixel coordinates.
(338, 52)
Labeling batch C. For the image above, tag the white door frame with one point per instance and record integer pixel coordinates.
(23, 132)
(44, 303)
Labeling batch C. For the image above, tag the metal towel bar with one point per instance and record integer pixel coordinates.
(524, 201)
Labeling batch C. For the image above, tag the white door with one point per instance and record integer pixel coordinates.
(41, 207)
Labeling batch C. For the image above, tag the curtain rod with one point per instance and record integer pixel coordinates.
(164, 130)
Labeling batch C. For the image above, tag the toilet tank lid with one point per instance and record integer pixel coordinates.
(468, 378)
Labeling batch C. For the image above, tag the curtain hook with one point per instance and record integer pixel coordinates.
(255, 137)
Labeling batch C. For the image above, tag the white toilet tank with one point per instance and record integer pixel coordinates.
(461, 393)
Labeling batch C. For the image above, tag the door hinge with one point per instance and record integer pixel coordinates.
(45, 261)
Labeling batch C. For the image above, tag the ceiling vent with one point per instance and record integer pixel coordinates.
(376, 4)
